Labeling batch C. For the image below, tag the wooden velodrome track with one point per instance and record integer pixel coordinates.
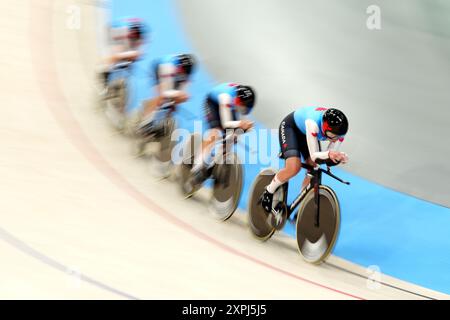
(82, 219)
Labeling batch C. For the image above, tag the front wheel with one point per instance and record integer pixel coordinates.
(227, 188)
(315, 243)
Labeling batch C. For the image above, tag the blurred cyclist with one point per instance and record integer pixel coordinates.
(172, 74)
(299, 135)
(222, 106)
(126, 38)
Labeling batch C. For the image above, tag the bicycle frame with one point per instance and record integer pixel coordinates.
(316, 181)
(226, 146)
(299, 198)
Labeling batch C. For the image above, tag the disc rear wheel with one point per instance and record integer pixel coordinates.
(191, 148)
(227, 188)
(258, 218)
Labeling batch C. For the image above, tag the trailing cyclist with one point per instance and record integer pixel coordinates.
(223, 106)
(172, 75)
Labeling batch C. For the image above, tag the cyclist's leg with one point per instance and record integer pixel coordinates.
(211, 110)
(304, 150)
(288, 137)
(291, 147)
(203, 158)
(291, 168)
(152, 105)
(307, 178)
(200, 169)
(151, 115)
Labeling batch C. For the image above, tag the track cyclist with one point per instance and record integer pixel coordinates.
(125, 43)
(223, 106)
(172, 75)
(299, 134)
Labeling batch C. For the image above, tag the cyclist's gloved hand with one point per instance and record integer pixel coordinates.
(344, 158)
(337, 156)
(246, 125)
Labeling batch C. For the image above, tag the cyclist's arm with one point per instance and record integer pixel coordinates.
(132, 55)
(312, 129)
(167, 82)
(119, 53)
(226, 116)
(334, 146)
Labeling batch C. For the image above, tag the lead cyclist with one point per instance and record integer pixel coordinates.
(300, 133)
